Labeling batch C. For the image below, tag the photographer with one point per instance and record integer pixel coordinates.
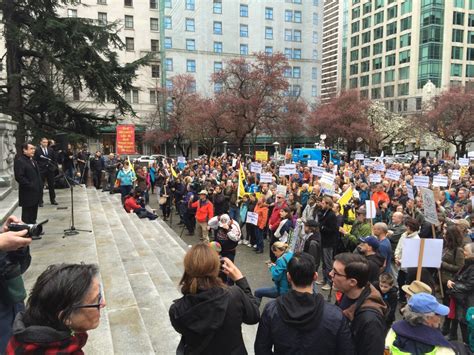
(134, 202)
(14, 260)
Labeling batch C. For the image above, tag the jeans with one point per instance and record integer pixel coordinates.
(7, 316)
(234, 213)
(259, 235)
(125, 190)
(327, 264)
(269, 292)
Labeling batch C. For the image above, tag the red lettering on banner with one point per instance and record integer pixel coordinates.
(125, 139)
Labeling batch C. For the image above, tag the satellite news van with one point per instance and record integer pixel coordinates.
(304, 154)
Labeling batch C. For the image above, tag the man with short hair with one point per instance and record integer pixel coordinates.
(380, 230)
(312, 243)
(361, 303)
(46, 159)
(396, 229)
(360, 228)
(329, 234)
(369, 247)
(204, 212)
(300, 321)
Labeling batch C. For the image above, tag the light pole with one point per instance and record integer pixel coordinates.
(322, 137)
(277, 148)
(225, 146)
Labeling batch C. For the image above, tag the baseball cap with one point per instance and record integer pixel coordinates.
(371, 240)
(426, 303)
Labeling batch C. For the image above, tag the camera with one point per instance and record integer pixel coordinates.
(34, 230)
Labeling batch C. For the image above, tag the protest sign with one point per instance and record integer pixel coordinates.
(470, 154)
(312, 163)
(125, 141)
(456, 175)
(281, 189)
(234, 162)
(368, 162)
(327, 178)
(318, 171)
(430, 257)
(359, 157)
(181, 160)
(440, 180)
(463, 161)
(378, 167)
(261, 155)
(252, 218)
(392, 174)
(256, 167)
(429, 206)
(410, 193)
(370, 210)
(266, 177)
(375, 178)
(422, 181)
(334, 169)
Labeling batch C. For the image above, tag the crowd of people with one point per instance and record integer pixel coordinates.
(318, 235)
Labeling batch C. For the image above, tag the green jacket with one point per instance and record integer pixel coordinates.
(359, 230)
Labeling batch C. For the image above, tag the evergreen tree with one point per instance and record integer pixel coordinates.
(48, 56)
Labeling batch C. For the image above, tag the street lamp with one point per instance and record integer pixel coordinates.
(277, 147)
(225, 146)
(322, 137)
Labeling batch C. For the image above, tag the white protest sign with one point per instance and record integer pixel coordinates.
(359, 157)
(288, 169)
(375, 178)
(429, 206)
(470, 154)
(432, 253)
(456, 174)
(440, 180)
(181, 160)
(392, 174)
(334, 169)
(283, 171)
(472, 200)
(281, 189)
(318, 171)
(234, 162)
(256, 167)
(370, 210)
(312, 163)
(422, 181)
(266, 177)
(463, 161)
(291, 167)
(378, 167)
(252, 218)
(410, 193)
(368, 162)
(327, 178)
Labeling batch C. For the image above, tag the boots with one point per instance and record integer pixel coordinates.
(453, 332)
(446, 326)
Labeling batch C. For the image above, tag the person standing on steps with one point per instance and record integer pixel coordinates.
(46, 159)
(204, 212)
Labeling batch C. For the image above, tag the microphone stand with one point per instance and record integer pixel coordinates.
(72, 230)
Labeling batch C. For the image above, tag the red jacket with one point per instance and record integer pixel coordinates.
(71, 345)
(380, 196)
(275, 216)
(131, 204)
(262, 211)
(204, 210)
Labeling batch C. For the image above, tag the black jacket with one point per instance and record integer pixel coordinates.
(217, 313)
(391, 300)
(329, 229)
(376, 262)
(221, 204)
(312, 246)
(44, 164)
(303, 323)
(27, 174)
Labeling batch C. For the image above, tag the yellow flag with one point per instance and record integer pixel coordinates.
(344, 200)
(241, 188)
(173, 172)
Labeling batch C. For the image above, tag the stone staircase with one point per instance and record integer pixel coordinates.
(140, 265)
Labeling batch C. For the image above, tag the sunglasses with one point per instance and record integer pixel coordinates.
(97, 305)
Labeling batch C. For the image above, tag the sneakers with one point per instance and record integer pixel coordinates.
(326, 287)
(240, 242)
(255, 246)
(249, 245)
(245, 242)
(320, 282)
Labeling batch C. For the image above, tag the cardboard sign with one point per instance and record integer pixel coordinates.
(234, 162)
(281, 189)
(318, 171)
(422, 181)
(410, 193)
(470, 154)
(378, 167)
(125, 141)
(266, 178)
(256, 167)
(393, 174)
(431, 257)
(370, 210)
(359, 157)
(463, 161)
(252, 218)
(181, 160)
(261, 155)
(327, 178)
(375, 178)
(456, 175)
(312, 163)
(368, 162)
(429, 206)
(440, 180)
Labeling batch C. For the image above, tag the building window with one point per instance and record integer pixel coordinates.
(244, 31)
(128, 3)
(169, 64)
(389, 76)
(153, 97)
(288, 35)
(71, 13)
(191, 66)
(244, 49)
(288, 16)
(456, 69)
(129, 43)
(314, 91)
(404, 57)
(405, 40)
(296, 53)
(405, 23)
(268, 32)
(390, 60)
(314, 73)
(217, 27)
(297, 72)
(190, 25)
(315, 19)
(365, 52)
(101, 2)
(389, 91)
(406, 7)
(217, 87)
(456, 53)
(135, 96)
(364, 80)
(297, 36)
(315, 37)
(155, 45)
(269, 50)
(217, 47)
(404, 73)
(190, 44)
(128, 96)
(458, 35)
(269, 13)
(76, 95)
(392, 28)
(155, 71)
(377, 63)
(169, 84)
(217, 67)
(168, 43)
(458, 18)
(376, 78)
(391, 44)
(154, 24)
(190, 5)
(314, 55)
(297, 16)
(244, 10)
(288, 53)
(364, 66)
(391, 12)
(217, 7)
(377, 48)
(128, 22)
(168, 4)
(154, 4)
(102, 18)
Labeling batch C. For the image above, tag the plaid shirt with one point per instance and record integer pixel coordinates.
(71, 345)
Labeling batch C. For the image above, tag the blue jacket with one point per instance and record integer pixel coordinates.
(278, 272)
(126, 178)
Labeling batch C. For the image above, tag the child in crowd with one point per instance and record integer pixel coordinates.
(388, 290)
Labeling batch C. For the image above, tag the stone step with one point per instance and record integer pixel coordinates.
(9, 202)
(129, 333)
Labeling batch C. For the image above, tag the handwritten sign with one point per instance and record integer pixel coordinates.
(281, 190)
(375, 178)
(318, 171)
(261, 155)
(410, 193)
(359, 157)
(392, 174)
(370, 210)
(463, 161)
(431, 256)
(422, 181)
(440, 180)
(266, 177)
(312, 163)
(252, 218)
(429, 206)
(456, 175)
(256, 167)
(125, 139)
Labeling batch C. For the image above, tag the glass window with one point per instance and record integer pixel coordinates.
(355, 27)
(269, 32)
(364, 66)
(217, 47)
(377, 48)
(405, 40)
(390, 60)
(154, 4)
(296, 53)
(217, 7)
(354, 54)
(315, 18)
(376, 78)
(378, 17)
(128, 22)
(135, 96)
(244, 31)
(190, 5)
(314, 73)
(296, 72)
(405, 23)
(389, 91)
(470, 71)
(378, 33)
(471, 4)
(244, 10)
(217, 87)
(287, 72)
(314, 90)
(392, 12)
(353, 83)
(470, 20)
(169, 84)
(190, 65)
(152, 97)
(364, 80)
(403, 89)
(315, 37)
(190, 25)
(354, 69)
(391, 44)
(128, 3)
(269, 50)
(377, 63)
(355, 41)
(458, 35)
(269, 13)
(71, 13)
(470, 36)
(297, 16)
(365, 37)
(244, 49)
(366, 22)
(288, 35)
(403, 73)
(406, 7)
(391, 28)
(168, 43)
(367, 7)
(102, 18)
(458, 18)
(355, 12)
(456, 53)
(288, 16)
(297, 35)
(169, 64)
(217, 27)
(365, 52)
(470, 54)
(155, 26)
(190, 44)
(217, 67)
(155, 71)
(456, 69)
(129, 43)
(404, 57)
(375, 93)
(155, 45)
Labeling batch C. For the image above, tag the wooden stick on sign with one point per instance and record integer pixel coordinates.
(433, 231)
(420, 259)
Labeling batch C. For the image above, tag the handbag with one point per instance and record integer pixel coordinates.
(117, 183)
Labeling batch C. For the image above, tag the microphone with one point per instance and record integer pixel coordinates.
(43, 157)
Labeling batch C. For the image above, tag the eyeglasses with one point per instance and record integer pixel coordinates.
(337, 274)
(97, 305)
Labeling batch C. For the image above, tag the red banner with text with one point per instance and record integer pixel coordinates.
(125, 139)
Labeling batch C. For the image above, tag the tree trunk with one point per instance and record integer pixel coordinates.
(14, 73)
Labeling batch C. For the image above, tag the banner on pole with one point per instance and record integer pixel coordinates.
(125, 139)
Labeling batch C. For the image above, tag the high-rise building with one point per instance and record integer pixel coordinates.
(396, 47)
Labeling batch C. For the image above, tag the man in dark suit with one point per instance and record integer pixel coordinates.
(47, 168)
(28, 176)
